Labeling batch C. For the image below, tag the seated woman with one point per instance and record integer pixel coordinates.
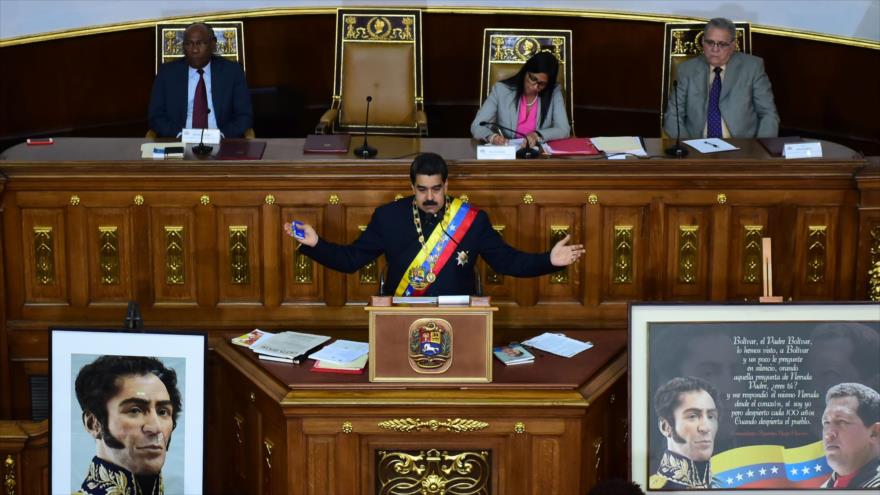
(530, 102)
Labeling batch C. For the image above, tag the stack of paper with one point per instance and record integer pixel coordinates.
(559, 344)
(513, 354)
(710, 145)
(342, 356)
(287, 347)
(619, 146)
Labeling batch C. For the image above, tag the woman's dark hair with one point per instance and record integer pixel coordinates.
(540, 63)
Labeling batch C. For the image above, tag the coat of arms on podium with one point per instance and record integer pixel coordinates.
(430, 345)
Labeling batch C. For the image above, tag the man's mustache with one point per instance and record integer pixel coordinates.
(429, 202)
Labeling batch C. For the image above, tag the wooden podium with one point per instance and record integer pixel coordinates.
(427, 343)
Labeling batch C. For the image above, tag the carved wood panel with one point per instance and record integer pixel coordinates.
(239, 255)
(815, 256)
(44, 245)
(496, 285)
(303, 278)
(108, 243)
(555, 223)
(173, 248)
(624, 247)
(363, 283)
(744, 267)
(687, 253)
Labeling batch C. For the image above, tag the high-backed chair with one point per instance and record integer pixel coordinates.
(229, 34)
(378, 54)
(230, 45)
(684, 41)
(506, 50)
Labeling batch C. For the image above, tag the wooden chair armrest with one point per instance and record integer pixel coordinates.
(325, 125)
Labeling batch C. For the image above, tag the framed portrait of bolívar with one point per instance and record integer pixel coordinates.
(767, 398)
(127, 412)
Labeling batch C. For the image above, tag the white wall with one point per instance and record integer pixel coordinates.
(849, 18)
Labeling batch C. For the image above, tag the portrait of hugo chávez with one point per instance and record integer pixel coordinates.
(130, 406)
(687, 416)
(851, 436)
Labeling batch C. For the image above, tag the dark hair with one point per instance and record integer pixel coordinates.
(616, 487)
(868, 399)
(428, 164)
(96, 383)
(542, 62)
(666, 399)
(204, 25)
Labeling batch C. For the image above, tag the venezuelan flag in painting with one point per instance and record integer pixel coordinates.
(772, 466)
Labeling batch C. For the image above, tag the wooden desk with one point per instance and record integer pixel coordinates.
(88, 226)
(552, 427)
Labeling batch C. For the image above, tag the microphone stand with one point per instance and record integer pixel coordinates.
(133, 319)
(201, 149)
(525, 153)
(677, 150)
(365, 150)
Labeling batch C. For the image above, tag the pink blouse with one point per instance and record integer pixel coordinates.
(527, 117)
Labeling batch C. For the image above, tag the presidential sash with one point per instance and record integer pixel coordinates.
(430, 260)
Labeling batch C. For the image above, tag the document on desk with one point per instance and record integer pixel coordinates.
(619, 145)
(557, 343)
(342, 351)
(710, 145)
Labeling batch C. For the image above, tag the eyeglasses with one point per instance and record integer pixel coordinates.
(534, 80)
(721, 45)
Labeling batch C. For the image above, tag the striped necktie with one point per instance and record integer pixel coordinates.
(713, 113)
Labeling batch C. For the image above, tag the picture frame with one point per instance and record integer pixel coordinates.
(139, 409)
(769, 366)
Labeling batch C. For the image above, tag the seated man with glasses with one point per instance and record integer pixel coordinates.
(724, 94)
(530, 102)
(200, 91)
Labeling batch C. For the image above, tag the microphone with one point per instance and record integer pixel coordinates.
(201, 149)
(526, 152)
(133, 320)
(677, 150)
(365, 150)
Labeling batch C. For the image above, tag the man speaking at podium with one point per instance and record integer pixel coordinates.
(431, 242)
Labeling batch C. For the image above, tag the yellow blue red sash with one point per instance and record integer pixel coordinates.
(438, 247)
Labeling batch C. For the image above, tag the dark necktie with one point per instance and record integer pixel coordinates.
(200, 104)
(713, 115)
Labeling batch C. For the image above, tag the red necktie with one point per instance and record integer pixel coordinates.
(200, 104)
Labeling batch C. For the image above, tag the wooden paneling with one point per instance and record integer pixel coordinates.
(288, 103)
(239, 270)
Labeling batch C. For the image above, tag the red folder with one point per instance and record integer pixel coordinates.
(327, 143)
(573, 146)
(241, 149)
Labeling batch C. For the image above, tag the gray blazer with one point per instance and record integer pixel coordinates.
(499, 107)
(746, 99)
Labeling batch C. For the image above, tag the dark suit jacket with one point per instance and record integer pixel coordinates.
(392, 232)
(746, 101)
(229, 93)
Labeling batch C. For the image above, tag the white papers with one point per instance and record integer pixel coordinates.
(802, 150)
(288, 344)
(710, 145)
(619, 145)
(196, 136)
(557, 343)
(496, 152)
(342, 351)
(414, 300)
(149, 150)
(453, 300)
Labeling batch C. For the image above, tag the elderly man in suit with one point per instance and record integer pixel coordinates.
(724, 94)
(200, 91)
